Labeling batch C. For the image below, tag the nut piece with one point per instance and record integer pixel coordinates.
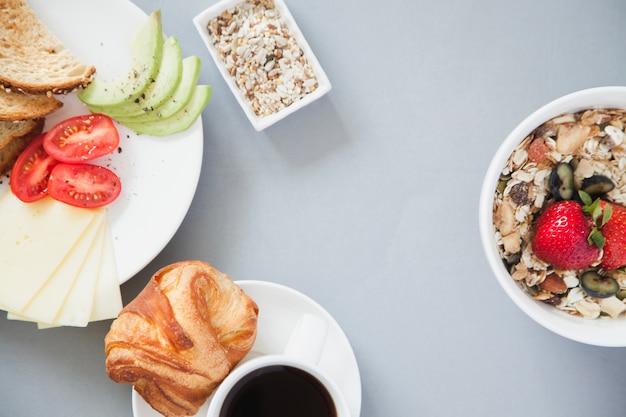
(612, 306)
(504, 218)
(570, 137)
(512, 242)
(554, 284)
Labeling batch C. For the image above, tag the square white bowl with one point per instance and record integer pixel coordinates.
(261, 122)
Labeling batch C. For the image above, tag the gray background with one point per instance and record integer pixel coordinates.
(367, 202)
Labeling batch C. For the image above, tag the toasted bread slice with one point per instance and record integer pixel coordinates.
(32, 58)
(14, 137)
(19, 106)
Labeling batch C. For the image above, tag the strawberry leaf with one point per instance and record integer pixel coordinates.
(585, 198)
(599, 215)
(594, 210)
(608, 211)
(596, 238)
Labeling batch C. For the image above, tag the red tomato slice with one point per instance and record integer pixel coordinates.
(84, 185)
(82, 138)
(30, 173)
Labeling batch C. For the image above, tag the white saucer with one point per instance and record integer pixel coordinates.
(280, 308)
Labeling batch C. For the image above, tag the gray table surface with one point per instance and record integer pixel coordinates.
(367, 202)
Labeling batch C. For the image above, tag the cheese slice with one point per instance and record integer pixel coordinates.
(96, 293)
(76, 307)
(51, 297)
(108, 300)
(35, 239)
(95, 299)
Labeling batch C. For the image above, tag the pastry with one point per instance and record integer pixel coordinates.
(180, 337)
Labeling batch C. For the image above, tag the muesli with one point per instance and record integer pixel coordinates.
(593, 143)
(265, 60)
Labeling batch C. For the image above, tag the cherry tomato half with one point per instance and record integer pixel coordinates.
(30, 173)
(82, 138)
(83, 185)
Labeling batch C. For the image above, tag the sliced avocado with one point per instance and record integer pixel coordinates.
(178, 121)
(146, 50)
(159, 90)
(178, 100)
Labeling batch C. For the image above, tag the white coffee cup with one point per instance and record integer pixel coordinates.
(302, 352)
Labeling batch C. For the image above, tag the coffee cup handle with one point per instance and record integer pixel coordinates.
(307, 339)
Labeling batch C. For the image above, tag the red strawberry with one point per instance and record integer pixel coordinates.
(561, 236)
(614, 231)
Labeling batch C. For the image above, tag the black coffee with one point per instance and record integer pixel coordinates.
(278, 391)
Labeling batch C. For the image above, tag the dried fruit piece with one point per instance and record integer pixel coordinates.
(597, 185)
(562, 181)
(538, 150)
(519, 194)
(597, 285)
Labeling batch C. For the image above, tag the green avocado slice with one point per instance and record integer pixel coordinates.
(178, 100)
(180, 120)
(160, 88)
(146, 50)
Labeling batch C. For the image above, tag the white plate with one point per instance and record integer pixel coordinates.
(280, 308)
(159, 174)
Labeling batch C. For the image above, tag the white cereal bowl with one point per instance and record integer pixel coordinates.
(260, 123)
(600, 332)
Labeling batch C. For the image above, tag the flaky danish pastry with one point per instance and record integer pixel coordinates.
(178, 339)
